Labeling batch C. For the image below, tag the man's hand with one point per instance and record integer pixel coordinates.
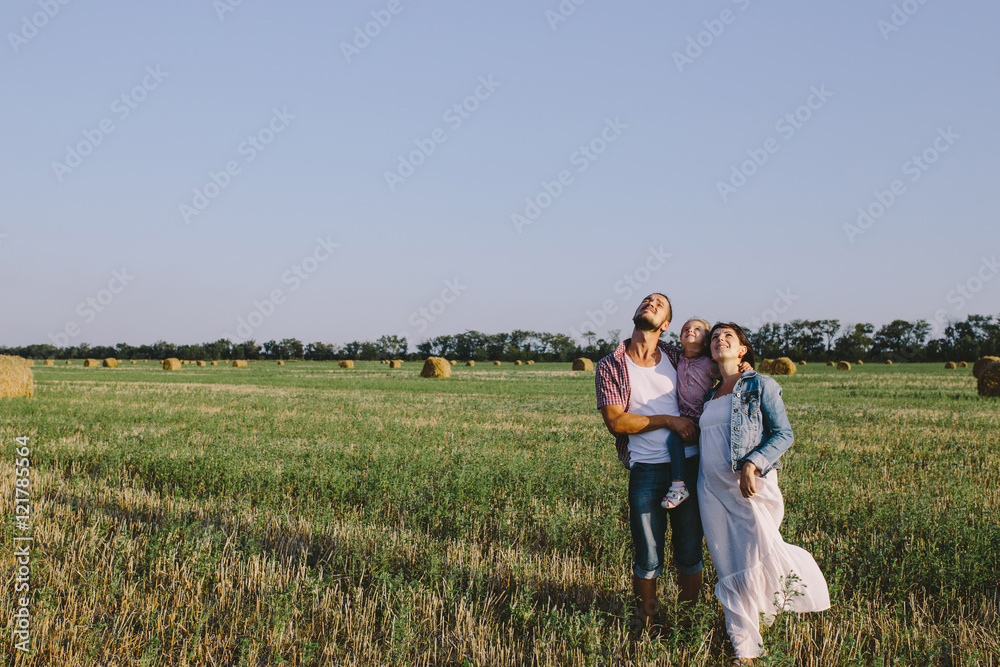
(744, 367)
(748, 480)
(685, 428)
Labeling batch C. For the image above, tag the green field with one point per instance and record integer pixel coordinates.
(311, 515)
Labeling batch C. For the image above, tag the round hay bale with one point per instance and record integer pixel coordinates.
(583, 364)
(963, 364)
(950, 365)
(830, 363)
(110, 363)
(346, 363)
(888, 362)
(202, 363)
(783, 366)
(860, 362)
(496, 363)
(989, 382)
(518, 363)
(91, 363)
(396, 363)
(172, 364)
(452, 362)
(766, 366)
(49, 362)
(132, 362)
(436, 367)
(982, 365)
(843, 366)
(280, 362)
(16, 378)
(215, 363)
(530, 362)
(470, 363)
(239, 363)
(802, 362)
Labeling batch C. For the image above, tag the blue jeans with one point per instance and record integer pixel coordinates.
(647, 484)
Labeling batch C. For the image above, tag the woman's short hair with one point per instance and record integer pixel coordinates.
(749, 357)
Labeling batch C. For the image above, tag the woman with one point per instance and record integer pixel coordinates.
(744, 431)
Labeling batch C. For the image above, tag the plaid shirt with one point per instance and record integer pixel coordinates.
(613, 387)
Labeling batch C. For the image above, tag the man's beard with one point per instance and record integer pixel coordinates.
(643, 324)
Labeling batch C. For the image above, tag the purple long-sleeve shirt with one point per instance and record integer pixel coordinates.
(694, 378)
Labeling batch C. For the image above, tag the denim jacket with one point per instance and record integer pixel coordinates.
(760, 429)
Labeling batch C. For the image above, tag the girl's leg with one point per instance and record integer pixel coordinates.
(678, 491)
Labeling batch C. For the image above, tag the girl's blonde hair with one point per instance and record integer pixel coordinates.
(705, 346)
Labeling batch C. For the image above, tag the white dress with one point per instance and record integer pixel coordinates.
(758, 572)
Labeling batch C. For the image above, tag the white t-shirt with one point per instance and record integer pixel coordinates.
(653, 392)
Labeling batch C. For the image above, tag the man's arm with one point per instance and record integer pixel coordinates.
(620, 422)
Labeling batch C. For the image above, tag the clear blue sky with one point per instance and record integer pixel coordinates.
(310, 128)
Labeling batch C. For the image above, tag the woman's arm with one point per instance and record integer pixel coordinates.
(777, 431)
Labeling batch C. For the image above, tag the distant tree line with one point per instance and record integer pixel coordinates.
(812, 340)
(899, 340)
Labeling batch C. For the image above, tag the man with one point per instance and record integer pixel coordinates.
(637, 396)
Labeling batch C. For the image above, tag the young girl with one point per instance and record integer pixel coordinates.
(696, 373)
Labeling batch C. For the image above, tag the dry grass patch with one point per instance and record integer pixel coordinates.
(436, 367)
(16, 378)
(988, 383)
(783, 366)
(982, 364)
